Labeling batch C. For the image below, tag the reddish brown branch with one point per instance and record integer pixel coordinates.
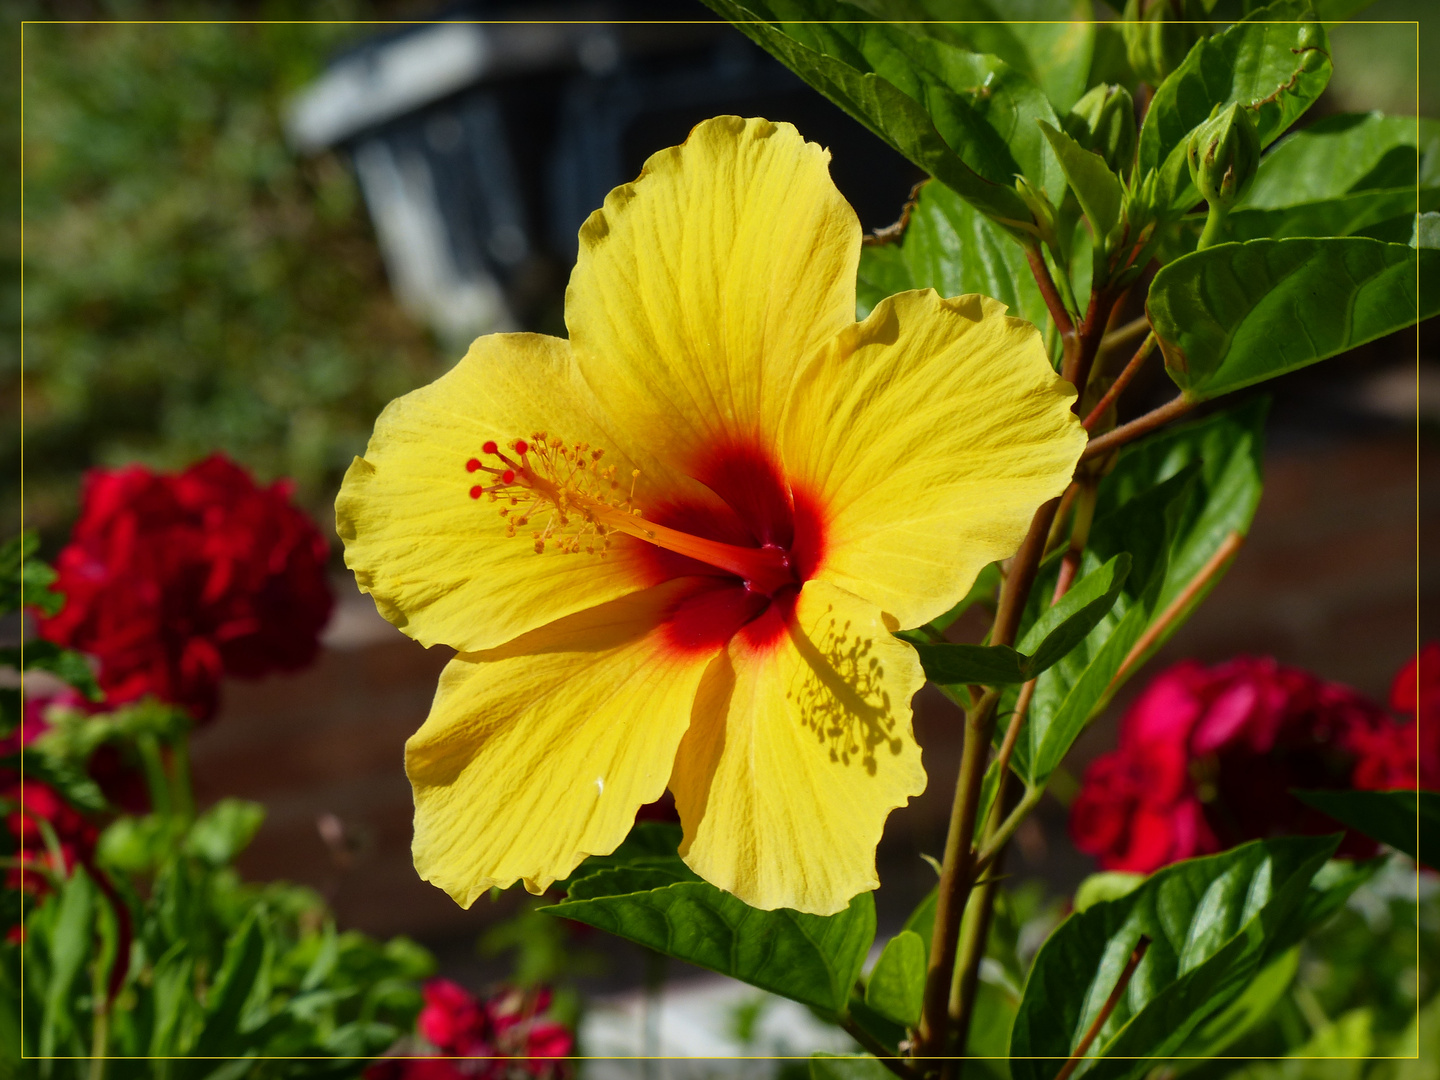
(1073, 1062)
(1051, 294)
(1121, 381)
(1143, 425)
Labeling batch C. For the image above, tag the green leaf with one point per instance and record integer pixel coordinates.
(1396, 818)
(223, 831)
(241, 983)
(922, 920)
(47, 656)
(1051, 41)
(956, 665)
(1072, 691)
(1237, 314)
(25, 580)
(1172, 501)
(825, 1066)
(853, 63)
(1242, 1014)
(1391, 210)
(1213, 924)
(812, 959)
(897, 985)
(1097, 188)
(1344, 155)
(69, 948)
(1108, 885)
(67, 777)
(137, 845)
(174, 1000)
(954, 249)
(1274, 69)
(1058, 630)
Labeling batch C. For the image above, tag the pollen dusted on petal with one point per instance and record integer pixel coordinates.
(562, 486)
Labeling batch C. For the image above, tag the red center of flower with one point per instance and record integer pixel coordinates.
(757, 512)
(747, 551)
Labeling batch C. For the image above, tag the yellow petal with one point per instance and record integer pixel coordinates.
(438, 562)
(539, 753)
(930, 433)
(702, 287)
(797, 752)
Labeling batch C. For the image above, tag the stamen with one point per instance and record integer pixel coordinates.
(583, 507)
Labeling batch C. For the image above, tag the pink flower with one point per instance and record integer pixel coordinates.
(1207, 758)
(504, 1036)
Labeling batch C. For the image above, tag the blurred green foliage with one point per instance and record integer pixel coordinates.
(190, 284)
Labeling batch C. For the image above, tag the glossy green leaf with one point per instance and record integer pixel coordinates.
(1107, 885)
(225, 830)
(1171, 501)
(69, 947)
(1095, 186)
(1250, 1008)
(809, 958)
(1362, 213)
(1274, 69)
(897, 985)
(951, 247)
(825, 1066)
(1075, 689)
(1058, 630)
(1051, 41)
(922, 920)
(1212, 923)
(1237, 314)
(852, 64)
(1347, 154)
(1396, 818)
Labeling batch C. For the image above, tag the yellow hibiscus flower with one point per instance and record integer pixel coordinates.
(670, 550)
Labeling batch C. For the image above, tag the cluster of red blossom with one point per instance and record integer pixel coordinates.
(171, 582)
(1208, 756)
(503, 1037)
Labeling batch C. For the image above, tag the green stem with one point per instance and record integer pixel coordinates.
(155, 778)
(974, 935)
(182, 783)
(1214, 226)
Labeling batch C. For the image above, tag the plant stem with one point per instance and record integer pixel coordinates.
(1078, 1055)
(1214, 226)
(974, 935)
(100, 1043)
(955, 877)
(1177, 406)
(1123, 335)
(156, 780)
(182, 785)
(1023, 567)
(1058, 312)
(1128, 372)
(991, 851)
(877, 1049)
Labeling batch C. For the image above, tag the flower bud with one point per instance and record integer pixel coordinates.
(1103, 121)
(1223, 154)
(1158, 35)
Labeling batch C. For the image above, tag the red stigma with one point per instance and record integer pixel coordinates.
(476, 491)
(490, 447)
(472, 464)
(521, 446)
(508, 476)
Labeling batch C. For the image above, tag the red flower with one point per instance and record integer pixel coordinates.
(1397, 755)
(75, 834)
(172, 581)
(1207, 758)
(504, 1036)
